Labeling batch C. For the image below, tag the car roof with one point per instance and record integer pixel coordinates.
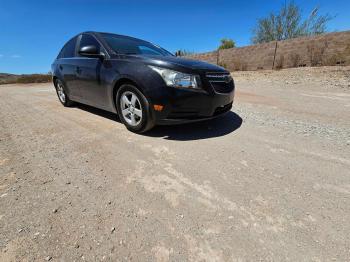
(101, 33)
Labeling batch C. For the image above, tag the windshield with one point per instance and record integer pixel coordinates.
(131, 46)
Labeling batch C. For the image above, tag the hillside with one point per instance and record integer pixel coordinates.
(322, 50)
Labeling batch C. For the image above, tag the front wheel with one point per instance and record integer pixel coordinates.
(133, 109)
(61, 93)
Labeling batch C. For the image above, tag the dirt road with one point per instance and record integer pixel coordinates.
(270, 181)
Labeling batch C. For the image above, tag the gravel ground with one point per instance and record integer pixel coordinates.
(270, 181)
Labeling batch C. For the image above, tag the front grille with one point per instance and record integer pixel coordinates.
(222, 87)
(221, 82)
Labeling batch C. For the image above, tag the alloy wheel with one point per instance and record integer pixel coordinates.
(60, 92)
(131, 108)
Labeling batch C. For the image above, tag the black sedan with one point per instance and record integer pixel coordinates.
(141, 82)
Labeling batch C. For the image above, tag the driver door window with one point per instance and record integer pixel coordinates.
(88, 74)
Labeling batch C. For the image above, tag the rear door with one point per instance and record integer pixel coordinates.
(88, 74)
(66, 64)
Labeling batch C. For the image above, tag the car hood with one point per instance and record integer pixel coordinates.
(180, 62)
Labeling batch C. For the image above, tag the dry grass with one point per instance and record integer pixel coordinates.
(316, 52)
(280, 62)
(295, 59)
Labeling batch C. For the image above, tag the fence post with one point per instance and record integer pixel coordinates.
(274, 56)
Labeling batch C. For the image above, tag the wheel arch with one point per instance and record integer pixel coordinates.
(126, 80)
(54, 78)
(122, 81)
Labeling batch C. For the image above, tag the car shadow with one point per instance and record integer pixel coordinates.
(217, 127)
(97, 111)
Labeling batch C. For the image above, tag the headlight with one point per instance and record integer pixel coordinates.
(178, 79)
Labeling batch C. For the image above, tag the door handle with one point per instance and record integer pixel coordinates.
(78, 70)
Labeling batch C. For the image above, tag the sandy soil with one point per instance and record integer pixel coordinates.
(270, 181)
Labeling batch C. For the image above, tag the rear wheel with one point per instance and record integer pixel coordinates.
(61, 93)
(133, 109)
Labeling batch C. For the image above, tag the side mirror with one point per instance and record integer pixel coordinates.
(90, 51)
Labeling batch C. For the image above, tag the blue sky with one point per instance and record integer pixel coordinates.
(32, 32)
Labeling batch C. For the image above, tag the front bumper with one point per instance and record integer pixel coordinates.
(184, 106)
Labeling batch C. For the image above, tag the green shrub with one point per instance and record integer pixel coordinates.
(226, 43)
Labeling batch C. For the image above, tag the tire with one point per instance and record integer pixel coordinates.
(134, 109)
(62, 94)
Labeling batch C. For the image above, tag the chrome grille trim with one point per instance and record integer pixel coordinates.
(219, 77)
